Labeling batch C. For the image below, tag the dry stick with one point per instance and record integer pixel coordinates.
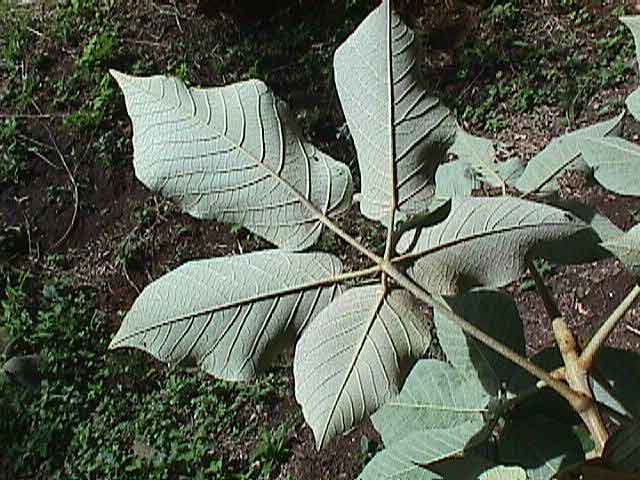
(129, 279)
(588, 356)
(42, 157)
(543, 291)
(29, 116)
(73, 184)
(28, 225)
(632, 329)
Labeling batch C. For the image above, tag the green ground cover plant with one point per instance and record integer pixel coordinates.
(362, 337)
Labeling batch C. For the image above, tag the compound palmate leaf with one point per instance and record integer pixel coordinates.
(435, 395)
(627, 248)
(561, 155)
(231, 314)
(633, 100)
(615, 163)
(483, 242)
(496, 314)
(407, 458)
(233, 153)
(401, 133)
(355, 356)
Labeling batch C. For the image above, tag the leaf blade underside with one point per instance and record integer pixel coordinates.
(232, 153)
(232, 314)
(435, 395)
(420, 127)
(561, 155)
(407, 458)
(633, 100)
(483, 242)
(480, 155)
(497, 315)
(355, 356)
(627, 248)
(615, 163)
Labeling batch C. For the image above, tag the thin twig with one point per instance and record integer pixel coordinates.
(26, 115)
(73, 184)
(543, 291)
(632, 330)
(28, 225)
(131, 282)
(147, 42)
(41, 157)
(588, 356)
(35, 32)
(34, 141)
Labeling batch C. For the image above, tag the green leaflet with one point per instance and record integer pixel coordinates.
(563, 154)
(497, 315)
(230, 314)
(233, 153)
(401, 134)
(480, 155)
(585, 245)
(435, 395)
(483, 242)
(633, 100)
(355, 356)
(406, 458)
(615, 163)
(627, 248)
(454, 179)
(633, 103)
(504, 473)
(540, 445)
(622, 451)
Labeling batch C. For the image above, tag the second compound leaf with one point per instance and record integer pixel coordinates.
(563, 154)
(435, 395)
(627, 248)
